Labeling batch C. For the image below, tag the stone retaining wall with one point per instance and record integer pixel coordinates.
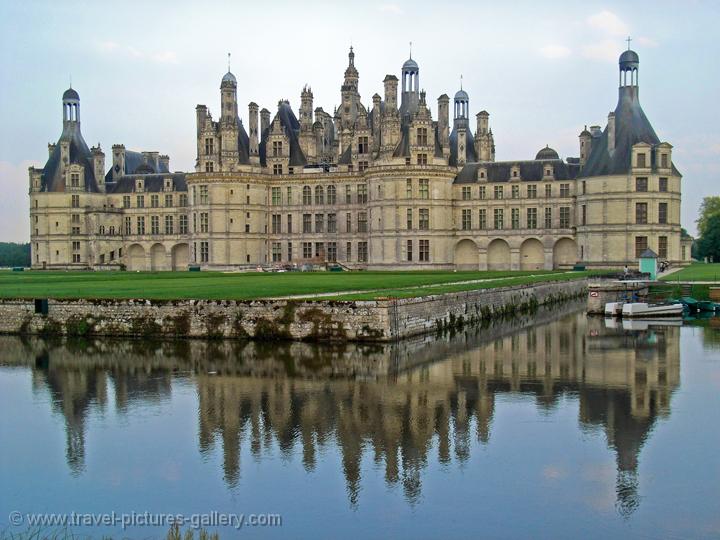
(322, 320)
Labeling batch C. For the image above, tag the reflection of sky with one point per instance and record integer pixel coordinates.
(540, 472)
(542, 70)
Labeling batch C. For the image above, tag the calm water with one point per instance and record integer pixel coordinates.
(555, 427)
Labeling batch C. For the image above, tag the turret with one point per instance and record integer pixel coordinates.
(306, 109)
(228, 122)
(349, 93)
(71, 108)
(462, 106)
(253, 135)
(410, 86)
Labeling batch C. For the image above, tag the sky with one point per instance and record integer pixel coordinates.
(543, 70)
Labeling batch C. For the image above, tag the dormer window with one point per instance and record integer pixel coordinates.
(641, 161)
(277, 148)
(139, 185)
(422, 137)
(664, 161)
(75, 180)
(363, 146)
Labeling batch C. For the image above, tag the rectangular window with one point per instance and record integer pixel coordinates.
(319, 195)
(466, 219)
(362, 222)
(332, 251)
(140, 199)
(276, 252)
(641, 244)
(290, 251)
(277, 148)
(141, 225)
(319, 223)
(75, 231)
(548, 190)
(662, 247)
(363, 146)
(641, 160)
(422, 159)
(482, 218)
(548, 218)
(289, 195)
(307, 195)
(204, 252)
(348, 251)
(532, 218)
(515, 192)
(169, 225)
(154, 224)
(204, 196)
(320, 250)
(466, 193)
(532, 191)
(362, 251)
(348, 222)
(289, 224)
(332, 223)
(362, 193)
(74, 180)
(424, 250)
(499, 218)
(204, 222)
(583, 218)
(663, 213)
(208, 146)
(154, 201)
(422, 136)
(277, 168)
(664, 161)
(183, 225)
(307, 223)
(276, 224)
(75, 201)
(483, 193)
(168, 201)
(362, 165)
(276, 196)
(408, 189)
(564, 190)
(126, 201)
(409, 219)
(641, 184)
(209, 167)
(424, 188)
(128, 225)
(499, 192)
(514, 218)
(76, 246)
(307, 250)
(424, 219)
(641, 215)
(183, 199)
(331, 195)
(564, 217)
(348, 194)
(663, 185)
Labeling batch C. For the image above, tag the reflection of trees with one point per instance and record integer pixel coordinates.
(399, 403)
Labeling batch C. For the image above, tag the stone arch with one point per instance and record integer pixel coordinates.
(136, 258)
(180, 255)
(158, 257)
(564, 253)
(498, 255)
(532, 255)
(466, 255)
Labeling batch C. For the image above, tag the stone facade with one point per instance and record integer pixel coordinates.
(379, 187)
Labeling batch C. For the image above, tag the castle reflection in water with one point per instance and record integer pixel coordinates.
(406, 403)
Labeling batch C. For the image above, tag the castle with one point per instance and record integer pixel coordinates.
(378, 187)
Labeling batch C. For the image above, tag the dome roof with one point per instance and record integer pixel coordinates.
(409, 65)
(547, 153)
(462, 95)
(229, 77)
(70, 93)
(629, 57)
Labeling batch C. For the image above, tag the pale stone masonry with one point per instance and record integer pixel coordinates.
(383, 186)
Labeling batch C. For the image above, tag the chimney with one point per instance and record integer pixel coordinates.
(201, 112)
(595, 131)
(98, 157)
(51, 149)
(152, 159)
(444, 121)
(611, 132)
(253, 122)
(391, 83)
(164, 162)
(483, 121)
(118, 169)
(264, 120)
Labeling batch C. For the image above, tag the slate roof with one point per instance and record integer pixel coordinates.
(530, 171)
(469, 147)
(153, 183)
(52, 179)
(290, 123)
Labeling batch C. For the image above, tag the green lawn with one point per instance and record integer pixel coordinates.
(244, 286)
(696, 272)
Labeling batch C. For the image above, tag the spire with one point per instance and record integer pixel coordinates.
(228, 62)
(411, 50)
(628, 42)
(461, 82)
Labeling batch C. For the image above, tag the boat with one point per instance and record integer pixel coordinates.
(613, 309)
(717, 307)
(705, 305)
(690, 303)
(642, 309)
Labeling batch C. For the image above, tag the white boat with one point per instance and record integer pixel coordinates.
(641, 309)
(613, 309)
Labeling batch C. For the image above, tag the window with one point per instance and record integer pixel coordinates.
(289, 195)
(183, 224)
(584, 187)
(532, 191)
(466, 219)
(424, 219)
(126, 201)
(515, 218)
(331, 195)
(276, 196)
(641, 215)
(204, 197)
(409, 219)
(662, 213)
(307, 250)
(641, 244)
(320, 250)
(154, 201)
(75, 231)
(307, 195)
(154, 224)
(564, 190)
(548, 190)
(515, 192)
(584, 215)
(208, 146)
(362, 222)
(319, 223)
(409, 250)
(499, 218)
(424, 188)
(183, 199)
(424, 250)
(482, 218)
(319, 195)
(348, 222)
(307, 223)
(662, 247)
(483, 193)
(663, 185)
(74, 180)
(209, 167)
(332, 223)
(362, 251)
(169, 225)
(128, 225)
(76, 246)
(641, 184)
(407, 161)
(363, 146)
(276, 252)
(277, 168)
(289, 224)
(640, 160)
(204, 224)
(422, 137)
(204, 252)
(408, 188)
(348, 251)
(141, 225)
(362, 193)
(277, 148)
(532, 218)
(276, 224)
(548, 218)
(290, 251)
(348, 194)
(664, 161)
(564, 217)
(422, 159)
(168, 201)
(76, 257)
(499, 192)
(75, 201)
(332, 251)
(466, 193)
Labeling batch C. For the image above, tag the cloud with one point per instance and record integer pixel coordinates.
(554, 52)
(553, 472)
(608, 23)
(15, 210)
(160, 57)
(390, 8)
(647, 42)
(605, 50)
(165, 57)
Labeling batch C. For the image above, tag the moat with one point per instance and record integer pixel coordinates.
(553, 425)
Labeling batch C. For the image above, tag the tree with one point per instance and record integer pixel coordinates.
(708, 208)
(12, 254)
(709, 243)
